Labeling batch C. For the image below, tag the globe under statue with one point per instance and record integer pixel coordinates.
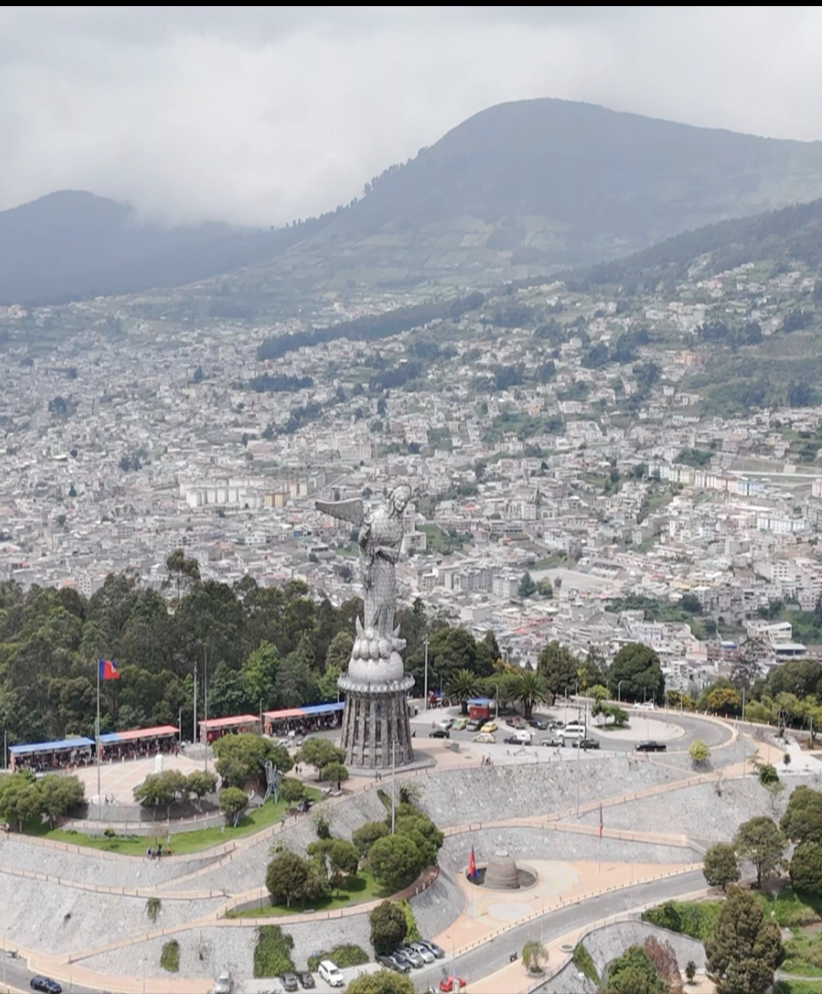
(375, 730)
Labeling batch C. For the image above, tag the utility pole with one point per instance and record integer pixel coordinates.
(99, 802)
(205, 701)
(393, 786)
(579, 754)
(195, 738)
(425, 705)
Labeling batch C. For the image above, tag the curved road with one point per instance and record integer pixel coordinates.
(712, 733)
(495, 954)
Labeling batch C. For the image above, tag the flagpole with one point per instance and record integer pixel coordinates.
(99, 807)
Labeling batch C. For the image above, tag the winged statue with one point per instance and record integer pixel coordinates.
(380, 531)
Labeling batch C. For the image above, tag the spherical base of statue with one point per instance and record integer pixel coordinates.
(375, 728)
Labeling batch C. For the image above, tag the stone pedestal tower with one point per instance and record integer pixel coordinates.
(375, 729)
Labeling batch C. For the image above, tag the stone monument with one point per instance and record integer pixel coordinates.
(375, 726)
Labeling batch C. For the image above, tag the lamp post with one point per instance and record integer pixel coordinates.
(425, 690)
(393, 786)
(619, 691)
(180, 726)
(5, 954)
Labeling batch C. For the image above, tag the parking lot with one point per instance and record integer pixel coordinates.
(675, 731)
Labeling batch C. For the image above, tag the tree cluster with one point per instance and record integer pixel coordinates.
(23, 798)
(163, 789)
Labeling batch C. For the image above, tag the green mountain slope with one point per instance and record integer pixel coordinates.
(529, 186)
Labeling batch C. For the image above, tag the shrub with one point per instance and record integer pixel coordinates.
(699, 752)
(342, 956)
(581, 959)
(153, 908)
(323, 827)
(412, 933)
(272, 953)
(768, 774)
(694, 919)
(366, 835)
(690, 971)
(170, 956)
(388, 927)
(633, 973)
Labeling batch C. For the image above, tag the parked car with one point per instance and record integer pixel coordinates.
(540, 724)
(651, 746)
(306, 980)
(485, 737)
(46, 985)
(401, 957)
(330, 974)
(423, 950)
(459, 724)
(414, 958)
(439, 733)
(445, 723)
(515, 722)
(553, 742)
(289, 982)
(473, 725)
(392, 963)
(435, 949)
(223, 984)
(490, 726)
(449, 984)
(584, 743)
(572, 731)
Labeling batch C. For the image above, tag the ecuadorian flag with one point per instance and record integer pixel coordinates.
(108, 670)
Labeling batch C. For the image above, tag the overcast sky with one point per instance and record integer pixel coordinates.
(263, 115)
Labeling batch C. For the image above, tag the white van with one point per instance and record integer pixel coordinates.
(520, 737)
(330, 974)
(571, 731)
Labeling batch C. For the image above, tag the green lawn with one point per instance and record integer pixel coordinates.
(181, 842)
(803, 954)
(357, 890)
(791, 910)
(797, 987)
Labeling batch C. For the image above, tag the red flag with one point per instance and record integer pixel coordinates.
(600, 821)
(472, 865)
(107, 670)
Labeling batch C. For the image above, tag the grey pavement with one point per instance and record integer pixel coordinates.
(495, 954)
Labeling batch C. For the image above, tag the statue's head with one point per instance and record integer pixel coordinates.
(399, 498)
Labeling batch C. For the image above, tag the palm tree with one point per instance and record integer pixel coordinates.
(530, 689)
(533, 956)
(463, 686)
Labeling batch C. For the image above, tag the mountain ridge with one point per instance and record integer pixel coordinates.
(522, 188)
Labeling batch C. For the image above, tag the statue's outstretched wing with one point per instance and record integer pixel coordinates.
(345, 510)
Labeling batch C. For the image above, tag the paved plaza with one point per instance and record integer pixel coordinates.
(118, 778)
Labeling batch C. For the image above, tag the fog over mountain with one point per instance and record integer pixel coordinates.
(519, 189)
(259, 116)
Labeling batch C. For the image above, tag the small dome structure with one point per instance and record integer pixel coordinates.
(501, 872)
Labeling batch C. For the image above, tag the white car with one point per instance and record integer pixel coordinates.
(424, 951)
(223, 984)
(330, 974)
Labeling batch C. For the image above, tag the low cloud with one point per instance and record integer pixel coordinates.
(261, 115)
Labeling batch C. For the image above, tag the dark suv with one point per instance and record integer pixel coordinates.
(46, 985)
(651, 747)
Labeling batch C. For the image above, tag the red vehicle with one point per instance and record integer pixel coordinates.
(448, 984)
